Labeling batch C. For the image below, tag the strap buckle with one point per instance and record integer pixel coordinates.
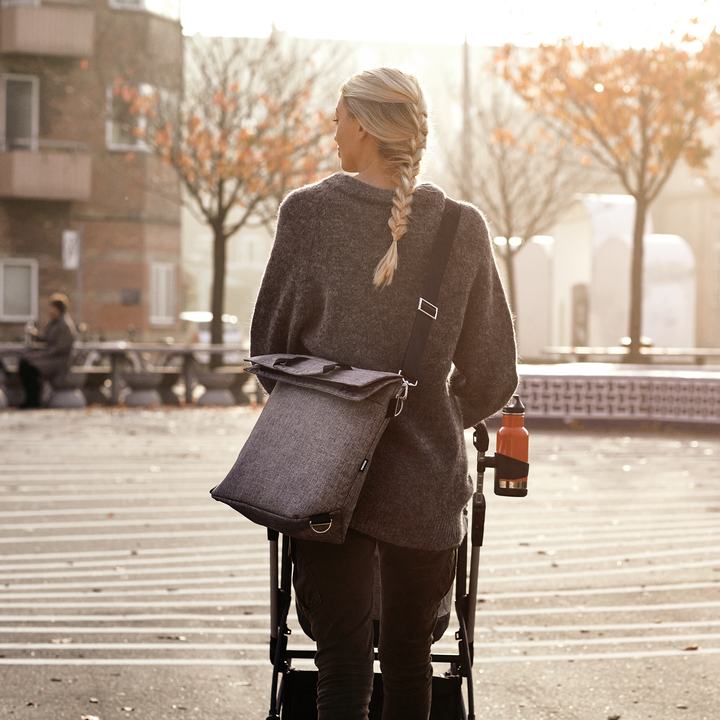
(406, 385)
(428, 308)
(401, 396)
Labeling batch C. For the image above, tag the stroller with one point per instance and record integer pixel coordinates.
(293, 691)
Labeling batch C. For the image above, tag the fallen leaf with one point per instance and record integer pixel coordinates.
(692, 647)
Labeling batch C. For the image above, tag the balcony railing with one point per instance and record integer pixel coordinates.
(48, 173)
(43, 30)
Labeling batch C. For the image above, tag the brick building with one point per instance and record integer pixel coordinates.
(85, 209)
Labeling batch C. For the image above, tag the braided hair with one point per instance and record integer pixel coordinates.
(391, 106)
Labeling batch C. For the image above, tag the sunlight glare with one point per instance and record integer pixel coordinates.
(522, 22)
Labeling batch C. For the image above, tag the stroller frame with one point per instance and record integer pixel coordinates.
(286, 678)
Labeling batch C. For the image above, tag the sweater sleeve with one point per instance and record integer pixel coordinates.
(59, 339)
(484, 376)
(280, 298)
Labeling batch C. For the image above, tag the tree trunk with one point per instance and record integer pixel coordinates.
(509, 257)
(636, 281)
(218, 293)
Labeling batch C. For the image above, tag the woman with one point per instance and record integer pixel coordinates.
(334, 289)
(54, 359)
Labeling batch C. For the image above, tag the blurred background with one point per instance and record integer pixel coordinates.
(145, 146)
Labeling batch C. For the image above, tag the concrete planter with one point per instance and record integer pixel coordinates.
(66, 392)
(143, 389)
(217, 389)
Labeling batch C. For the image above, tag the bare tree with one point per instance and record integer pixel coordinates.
(637, 112)
(521, 174)
(243, 134)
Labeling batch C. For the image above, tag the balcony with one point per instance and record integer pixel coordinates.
(47, 174)
(43, 30)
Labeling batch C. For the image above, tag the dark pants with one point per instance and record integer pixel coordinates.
(334, 588)
(31, 379)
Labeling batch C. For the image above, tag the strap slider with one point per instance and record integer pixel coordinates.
(428, 308)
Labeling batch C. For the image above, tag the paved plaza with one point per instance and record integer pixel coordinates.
(126, 592)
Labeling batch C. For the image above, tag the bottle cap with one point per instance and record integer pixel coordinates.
(514, 407)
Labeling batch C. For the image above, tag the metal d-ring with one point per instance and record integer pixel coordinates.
(321, 532)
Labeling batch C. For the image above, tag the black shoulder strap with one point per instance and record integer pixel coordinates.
(427, 310)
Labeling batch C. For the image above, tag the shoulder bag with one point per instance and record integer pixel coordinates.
(301, 470)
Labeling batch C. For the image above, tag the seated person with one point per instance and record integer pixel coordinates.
(53, 360)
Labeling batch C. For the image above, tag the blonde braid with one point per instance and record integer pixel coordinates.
(391, 106)
(408, 169)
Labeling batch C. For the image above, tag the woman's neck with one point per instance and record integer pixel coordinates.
(378, 175)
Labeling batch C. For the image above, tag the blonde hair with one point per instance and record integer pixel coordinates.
(391, 106)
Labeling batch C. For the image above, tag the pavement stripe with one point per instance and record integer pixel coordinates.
(213, 630)
(114, 510)
(149, 646)
(601, 628)
(212, 518)
(71, 491)
(137, 555)
(129, 568)
(139, 586)
(228, 571)
(233, 662)
(46, 497)
(145, 592)
(482, 595)
(305, 643)
(104, 472)
(227, 603)
(130, 536)
(126, 568)
(143, 587)
(627, 590)
(129, 630)
(552, 574)
(246, 527)
(139, 617)
(598, 609)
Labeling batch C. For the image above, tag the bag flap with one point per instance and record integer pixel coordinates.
(322, 374)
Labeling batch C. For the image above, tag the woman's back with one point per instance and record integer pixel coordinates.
(318, 299)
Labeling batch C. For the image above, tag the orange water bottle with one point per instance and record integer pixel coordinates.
(511, 467)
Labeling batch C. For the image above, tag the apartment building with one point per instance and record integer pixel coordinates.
(85, 208)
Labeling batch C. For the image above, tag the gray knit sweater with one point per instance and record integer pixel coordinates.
(317, 298)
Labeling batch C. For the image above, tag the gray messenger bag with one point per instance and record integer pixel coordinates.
(302, 468)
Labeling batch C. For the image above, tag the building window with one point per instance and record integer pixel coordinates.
(125, 130)
(167, 8)
(19, 116)
(18, 290)
(162, 293)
